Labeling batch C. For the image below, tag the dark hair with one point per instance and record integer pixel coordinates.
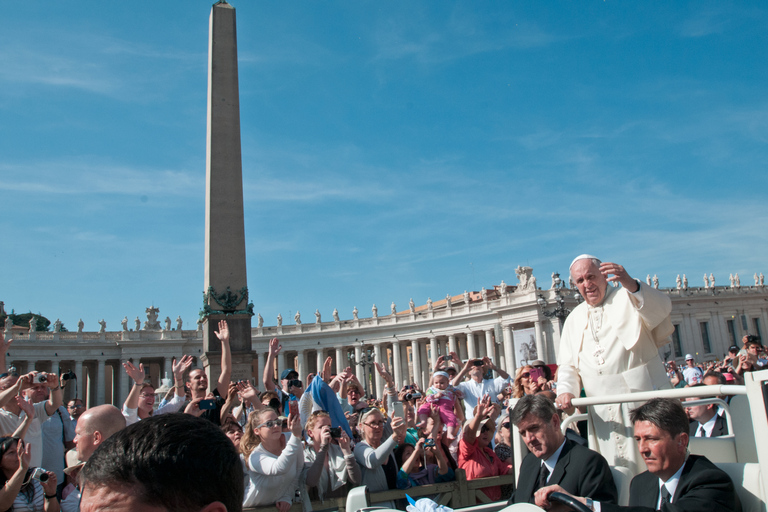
(177, 461)
(666, 413)
(538, 405)
(718, 375)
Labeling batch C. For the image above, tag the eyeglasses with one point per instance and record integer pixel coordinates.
(271, 424)
(77, 406)
(143, 395)
(376, 424)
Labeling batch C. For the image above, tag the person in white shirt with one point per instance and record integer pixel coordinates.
(274, 464)
(692, 373)
(141, 400)
(477, 386)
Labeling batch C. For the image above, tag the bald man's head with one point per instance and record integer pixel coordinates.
(95, 426)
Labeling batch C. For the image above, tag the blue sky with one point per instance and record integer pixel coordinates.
(390, 149)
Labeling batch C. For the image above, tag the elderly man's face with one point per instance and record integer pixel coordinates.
(590, 282)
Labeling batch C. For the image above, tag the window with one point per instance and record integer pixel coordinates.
(677, 348)
(732, 332)
(705, 337)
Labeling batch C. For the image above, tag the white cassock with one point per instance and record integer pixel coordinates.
(610, 349)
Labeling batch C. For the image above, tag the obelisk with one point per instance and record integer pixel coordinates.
(226, 286)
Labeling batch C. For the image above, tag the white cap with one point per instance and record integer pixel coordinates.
(583, 257)
(688, 356)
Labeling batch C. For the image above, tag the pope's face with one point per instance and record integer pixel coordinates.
(590, 282)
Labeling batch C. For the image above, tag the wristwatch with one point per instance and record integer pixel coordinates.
(590, 504)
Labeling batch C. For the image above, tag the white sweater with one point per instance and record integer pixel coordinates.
(274, 478)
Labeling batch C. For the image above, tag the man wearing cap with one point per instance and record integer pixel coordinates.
(692, 373)
(284, 392)
(555, 460)
(610, 345)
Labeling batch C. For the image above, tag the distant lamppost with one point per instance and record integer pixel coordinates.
(560, 312)
(366, 363)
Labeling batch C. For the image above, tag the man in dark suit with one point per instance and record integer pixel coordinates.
(706, 420)
(553, 459)
(675, 481)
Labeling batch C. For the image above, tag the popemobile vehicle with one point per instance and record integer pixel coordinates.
(742, 454)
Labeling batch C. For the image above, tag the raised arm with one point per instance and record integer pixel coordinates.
(29, 415)
(55, 400)
(7, 394)
(226, 358)
(504, 375)
(460, 376)
(178, 369)
(269, 366)
(137, 375)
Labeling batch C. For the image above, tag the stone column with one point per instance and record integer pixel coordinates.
(416, 358)
(81, 379)
(302, 366)
(379, 381)
(433, 352)
(443, 343)
(471, 350)
(425, 370)
(404, 363)
(358, 367)
(339, 360)
(490, 349)
(99, 381)
(509, 350)
(452, 345)
(397, 368)
(463, 349)
(539, 341)
(320, 360)
(123, 383)
(167, 368)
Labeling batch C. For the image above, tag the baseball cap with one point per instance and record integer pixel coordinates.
(733, 348)
(287, 372)
(688, 356)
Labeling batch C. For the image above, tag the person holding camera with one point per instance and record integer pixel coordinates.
(11, 415)
(478, 386)
(423, 464)
(330, 468)
(25, 487)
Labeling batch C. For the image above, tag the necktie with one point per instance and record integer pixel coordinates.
(541, 481)
(701, 432)
(664, 496)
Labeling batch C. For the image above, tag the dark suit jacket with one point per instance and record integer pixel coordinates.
(702, 486)
(720, 428)
(579, 470)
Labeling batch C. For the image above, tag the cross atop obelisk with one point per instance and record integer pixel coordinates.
(226, 286)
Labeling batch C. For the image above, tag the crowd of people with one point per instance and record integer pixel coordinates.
(310, 438)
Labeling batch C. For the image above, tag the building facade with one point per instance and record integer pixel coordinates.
(510, 324)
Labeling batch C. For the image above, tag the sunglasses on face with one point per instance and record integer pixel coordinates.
(375, 424)
(505, 424)
(271, 424)
(485, 429)
(526, 375)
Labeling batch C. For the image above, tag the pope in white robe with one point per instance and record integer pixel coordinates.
(610, 345)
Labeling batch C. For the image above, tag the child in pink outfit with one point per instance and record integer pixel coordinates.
(442, 396)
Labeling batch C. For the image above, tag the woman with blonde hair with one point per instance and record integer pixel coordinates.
(525, 383)
(274, 465)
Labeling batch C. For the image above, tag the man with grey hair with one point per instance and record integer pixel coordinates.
(675, 481)
(555, 460)
(610, 344)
